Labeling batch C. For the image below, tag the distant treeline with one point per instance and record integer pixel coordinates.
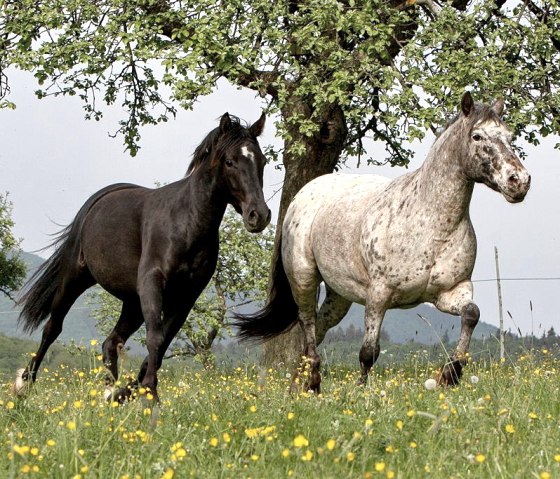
(341, 346)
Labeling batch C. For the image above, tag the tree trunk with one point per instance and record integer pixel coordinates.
(323, 152)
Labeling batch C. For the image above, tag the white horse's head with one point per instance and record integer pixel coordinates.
(490, 157)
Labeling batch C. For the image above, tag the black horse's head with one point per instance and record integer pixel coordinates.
(235, 156)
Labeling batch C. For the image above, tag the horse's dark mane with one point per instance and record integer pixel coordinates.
(480, 112)
(217, 142)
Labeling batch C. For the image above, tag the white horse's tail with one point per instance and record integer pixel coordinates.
(278, 316)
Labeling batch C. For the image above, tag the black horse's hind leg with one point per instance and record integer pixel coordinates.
(451, 372)
(65, 297)
(129, 322)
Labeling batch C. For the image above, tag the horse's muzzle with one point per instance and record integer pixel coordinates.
(517, 187)
(256, 221)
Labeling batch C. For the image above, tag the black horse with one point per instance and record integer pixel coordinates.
(154, 249)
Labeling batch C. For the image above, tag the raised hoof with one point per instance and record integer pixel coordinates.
(450, 374)
(21, 385)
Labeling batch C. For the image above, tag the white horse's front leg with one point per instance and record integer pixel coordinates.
(458, 301)
(376, 305)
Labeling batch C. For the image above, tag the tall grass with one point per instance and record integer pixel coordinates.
(242, 423)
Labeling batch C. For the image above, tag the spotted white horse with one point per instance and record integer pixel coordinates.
(391, 243)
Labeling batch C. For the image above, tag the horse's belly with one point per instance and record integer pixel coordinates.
(111, 246)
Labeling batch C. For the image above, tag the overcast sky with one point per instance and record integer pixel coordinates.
(52, 160)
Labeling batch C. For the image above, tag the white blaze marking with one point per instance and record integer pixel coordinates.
(247, 153)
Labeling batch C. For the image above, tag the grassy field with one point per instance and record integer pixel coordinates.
(242, 423)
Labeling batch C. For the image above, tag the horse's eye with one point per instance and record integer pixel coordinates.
(476, 137)
(229, 163)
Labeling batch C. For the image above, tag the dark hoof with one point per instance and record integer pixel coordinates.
(450, 374)
(362, 380)
(120, 395)
(313, 388)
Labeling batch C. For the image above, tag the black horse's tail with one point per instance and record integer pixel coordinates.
(39, 292)
(278, 316)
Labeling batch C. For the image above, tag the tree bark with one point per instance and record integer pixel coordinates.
(323, 152)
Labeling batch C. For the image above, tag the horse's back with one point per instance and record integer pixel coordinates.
(333, 189)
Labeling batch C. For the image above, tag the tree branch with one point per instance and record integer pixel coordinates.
(8, 293)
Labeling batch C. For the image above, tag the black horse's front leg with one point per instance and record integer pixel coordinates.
(150, 290)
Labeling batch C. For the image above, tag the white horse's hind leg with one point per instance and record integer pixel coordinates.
(331, 312)
(458, 301)
(311, 359)
(304, 281)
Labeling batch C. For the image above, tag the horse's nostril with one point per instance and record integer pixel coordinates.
(513, 178)
(253, 215)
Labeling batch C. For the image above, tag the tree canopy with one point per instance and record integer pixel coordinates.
(391, 69)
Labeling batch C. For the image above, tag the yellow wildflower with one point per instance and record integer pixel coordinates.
(301, 441)
(168, 474)
(307, 456)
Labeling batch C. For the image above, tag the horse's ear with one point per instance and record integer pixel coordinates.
(257, 128)
(467, 103)
(498, 106)
(225, 123)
